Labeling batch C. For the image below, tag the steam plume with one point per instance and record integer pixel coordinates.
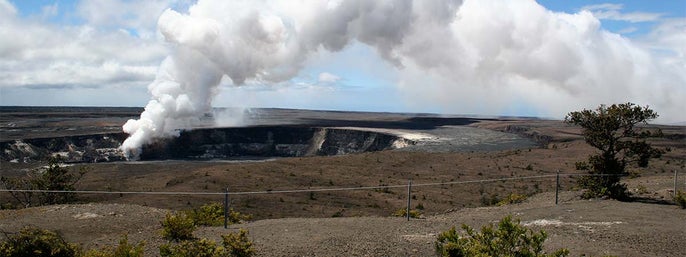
(554, 61)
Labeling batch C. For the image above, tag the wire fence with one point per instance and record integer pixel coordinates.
(281, 191)
(294, 190)
(327, 189)
(409, 186)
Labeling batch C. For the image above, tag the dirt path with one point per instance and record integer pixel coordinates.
(595, 227)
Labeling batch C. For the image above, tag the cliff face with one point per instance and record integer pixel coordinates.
(205, 144)
(83, 148)
(266, 142)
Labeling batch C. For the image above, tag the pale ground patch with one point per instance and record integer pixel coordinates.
(409, 135)
(557, 223)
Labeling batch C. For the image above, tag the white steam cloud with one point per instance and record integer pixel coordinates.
(443, 48)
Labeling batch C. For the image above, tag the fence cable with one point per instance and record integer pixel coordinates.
(300, 190)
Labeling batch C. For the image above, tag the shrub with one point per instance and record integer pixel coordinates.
(512, 199)
(680, 199)
(641, 189)
(177, 227)
(7, 206)
(403, 213)
(508, 239)
(124, 249)
(192, 248)
(37, 242)
(212, 214)
(236, 245)
(237, 217)
(599, 187)
(489, 200)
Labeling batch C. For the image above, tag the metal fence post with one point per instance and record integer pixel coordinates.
(226, 208)
(557, 186)
(676, 181)
(409, 198)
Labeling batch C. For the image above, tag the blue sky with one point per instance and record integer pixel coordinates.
(106, 52)
(65, 11)
(621, 23)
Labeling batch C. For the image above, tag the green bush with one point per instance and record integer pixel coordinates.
(512, 199)
(192, 248)
(489, 199)
(212, 214)
(177, 227)
(238, 245)
(39, 243)
(508, 239)
(403, 213)
(680, 199)
(234, 245)
(31, 241)
(124, 249)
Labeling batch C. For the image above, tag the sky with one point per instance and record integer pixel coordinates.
(514, 58)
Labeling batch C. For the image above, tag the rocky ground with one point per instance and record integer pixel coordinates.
(590, 227)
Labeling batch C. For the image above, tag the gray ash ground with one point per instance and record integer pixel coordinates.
(467, 139)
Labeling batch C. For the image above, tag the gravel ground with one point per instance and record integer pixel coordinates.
(585, 227)
(591, 227)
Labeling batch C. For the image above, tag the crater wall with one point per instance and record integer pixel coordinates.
(207, 144)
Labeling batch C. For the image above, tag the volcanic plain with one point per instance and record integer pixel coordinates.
(455, 162)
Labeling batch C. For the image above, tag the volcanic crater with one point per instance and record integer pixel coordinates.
(273, 133)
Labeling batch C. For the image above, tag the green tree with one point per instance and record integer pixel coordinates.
(612, 130)
(56, 177)
(507, 239)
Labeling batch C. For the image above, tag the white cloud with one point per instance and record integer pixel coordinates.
(498, 56)
(669, 36)
(35, 54)
(478, 57)
(50, 10)
(613, 12)
(140, 16)
(7, 9)
(326, 77)
(627, 30)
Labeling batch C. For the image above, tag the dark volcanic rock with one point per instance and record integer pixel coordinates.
(287, 141)
(205, 144)
(84, 148)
